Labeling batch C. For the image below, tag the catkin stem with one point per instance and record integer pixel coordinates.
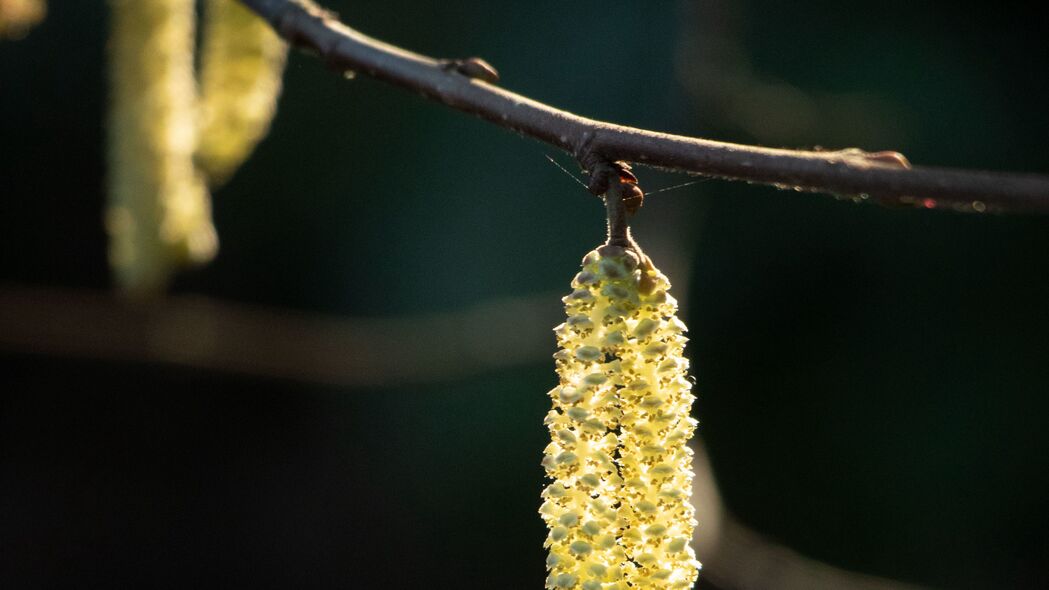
(618, 228)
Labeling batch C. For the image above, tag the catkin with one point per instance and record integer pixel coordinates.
(241, 65)
(18, 16)
(159, 211)
(618, 510)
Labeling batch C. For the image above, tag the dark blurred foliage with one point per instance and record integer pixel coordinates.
(872, 382)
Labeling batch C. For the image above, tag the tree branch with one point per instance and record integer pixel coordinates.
(883, 177)
(203, 333)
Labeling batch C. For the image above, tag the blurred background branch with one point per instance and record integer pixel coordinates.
(205, 333)
(255, 341)
(736, 557)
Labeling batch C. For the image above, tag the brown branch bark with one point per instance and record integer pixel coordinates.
(884, 177)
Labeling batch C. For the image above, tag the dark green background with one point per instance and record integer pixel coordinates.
(873, 383)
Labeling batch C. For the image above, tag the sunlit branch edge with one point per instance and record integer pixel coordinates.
(849, 173)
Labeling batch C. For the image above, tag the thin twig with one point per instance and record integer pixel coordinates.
(883, 177)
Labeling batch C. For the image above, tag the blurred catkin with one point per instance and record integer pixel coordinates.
(241, 66)
(159, 210)
(619, 512)
(18, 16)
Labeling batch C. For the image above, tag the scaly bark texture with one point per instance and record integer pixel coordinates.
(159, 211)
(619, 512)
(241, 66)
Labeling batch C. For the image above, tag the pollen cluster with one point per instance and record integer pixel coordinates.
(618, 511)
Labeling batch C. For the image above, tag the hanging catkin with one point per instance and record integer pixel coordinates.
(159, 212)
(241, 65)
(618, 511)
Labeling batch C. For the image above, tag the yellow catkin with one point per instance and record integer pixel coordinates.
(618, 511)
(18, 16)
(241, 66)
(159, 211)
